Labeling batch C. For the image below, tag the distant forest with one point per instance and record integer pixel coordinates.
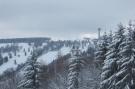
(25, 40)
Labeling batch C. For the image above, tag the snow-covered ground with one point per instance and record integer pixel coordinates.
(15, 60)
(48, 57)
(25, 50)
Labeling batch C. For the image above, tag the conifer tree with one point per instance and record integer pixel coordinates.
(110, 63)
(32, 70)
(102, 49)
(75, 63)
(110, 37)
(125, 77)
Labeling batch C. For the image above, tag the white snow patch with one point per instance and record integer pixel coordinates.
(47, 58)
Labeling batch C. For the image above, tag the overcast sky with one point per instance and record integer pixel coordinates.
(62, 19)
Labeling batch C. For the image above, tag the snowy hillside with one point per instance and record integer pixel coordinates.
(19, 52)
(53, 57)
(48, 57)
(17, 58)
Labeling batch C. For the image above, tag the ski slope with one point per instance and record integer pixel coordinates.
(46, 58)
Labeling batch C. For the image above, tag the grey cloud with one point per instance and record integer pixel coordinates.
(58, 17)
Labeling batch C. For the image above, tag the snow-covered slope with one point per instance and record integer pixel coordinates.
(48, 57)
(16, 59)
(19, 53)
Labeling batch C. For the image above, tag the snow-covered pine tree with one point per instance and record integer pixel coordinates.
(102, 49)
(110, 63)
(75, 63)
(110, 37)
(32, 72)
(125, 77)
